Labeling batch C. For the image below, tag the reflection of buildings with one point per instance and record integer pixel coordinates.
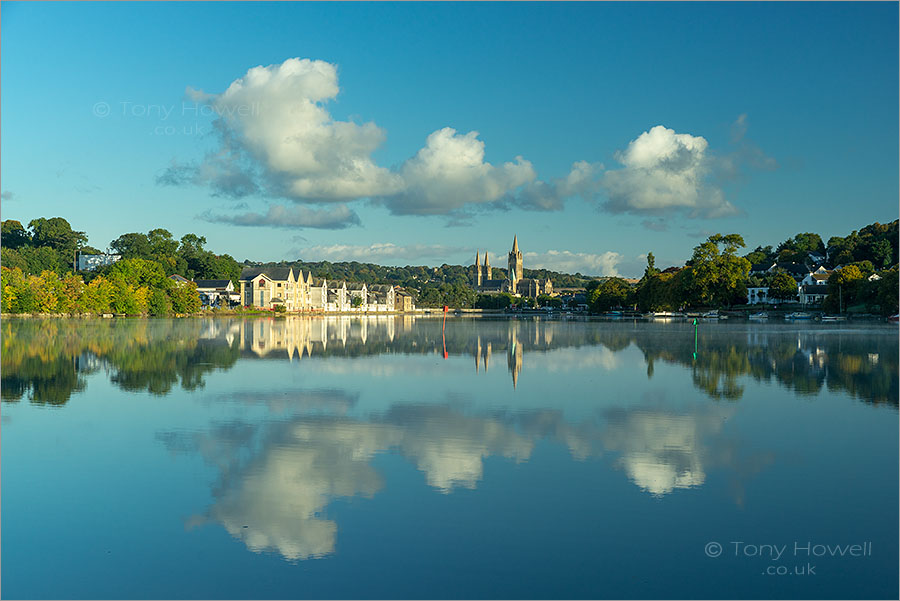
(514, 355)
(299, 336)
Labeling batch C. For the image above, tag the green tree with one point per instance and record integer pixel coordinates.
(58, 234)
(783, 287)
(132, 245)
(717, 276)
(14, 235)
(611, 294)
(184, 298)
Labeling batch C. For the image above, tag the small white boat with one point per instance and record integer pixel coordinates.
(798, 315)
(713, 315)
(759, 316)
(829, 318)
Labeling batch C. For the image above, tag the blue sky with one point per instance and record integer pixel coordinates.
(344, 131)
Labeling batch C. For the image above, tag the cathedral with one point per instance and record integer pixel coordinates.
(515, 283)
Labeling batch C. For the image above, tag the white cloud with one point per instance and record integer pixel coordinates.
(278, 139)
(665, 171)
(663, 451)
(275, 118)
(334, 217)
(375, 252)
(581, 181)
(450, 172)
(569, 262)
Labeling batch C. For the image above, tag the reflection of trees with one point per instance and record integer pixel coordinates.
(866, 367)
(47, 358)
(278, 477)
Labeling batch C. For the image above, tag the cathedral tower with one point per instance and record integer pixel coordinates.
(477, 270)
(487, 268)
(516, 268)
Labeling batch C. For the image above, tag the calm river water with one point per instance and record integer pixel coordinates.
(505, 458)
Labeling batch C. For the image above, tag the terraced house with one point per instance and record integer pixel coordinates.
(266, 288)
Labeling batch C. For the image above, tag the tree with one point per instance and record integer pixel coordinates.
(613, 293)
(56, 233)
(881, 253)
(184, 297)
(761, 255)
(132, 245)
(783, 287)
(14, 235)
(797, 249)
(651, 269)
(714, 276)
(545, 300)
(843, 288)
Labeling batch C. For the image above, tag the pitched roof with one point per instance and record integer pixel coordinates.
(212, 283)
(814, 289)
(379, 288)
(178, 278)
(761, 267)
(355, 285)
(317, 282)
(273, 273)
(793, 268)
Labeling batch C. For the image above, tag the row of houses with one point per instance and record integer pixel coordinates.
(269, 287)
(812, 283)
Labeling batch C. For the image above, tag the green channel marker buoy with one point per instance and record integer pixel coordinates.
(695, 339)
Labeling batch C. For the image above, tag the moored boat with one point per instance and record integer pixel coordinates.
(798, 315)
(829, 318)
(759, 316)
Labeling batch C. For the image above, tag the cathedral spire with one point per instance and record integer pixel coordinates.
(515, 244)
(477, 259)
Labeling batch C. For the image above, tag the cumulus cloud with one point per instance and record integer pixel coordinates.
(329, 218)
(665, 171)
(581, 181)
(275, 117)
(276, 138)
(376, 251)
(662, 451)
(450, 172)
(570, 262)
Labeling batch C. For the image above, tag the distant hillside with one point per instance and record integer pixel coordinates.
(417, 276)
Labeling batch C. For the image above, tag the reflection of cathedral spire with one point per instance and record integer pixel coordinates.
(514, 356)
(477, 354)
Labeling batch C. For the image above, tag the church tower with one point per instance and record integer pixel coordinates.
(477, 270)
(516, 268)
(487, 268)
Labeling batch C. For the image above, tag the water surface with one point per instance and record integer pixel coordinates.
(387, 457)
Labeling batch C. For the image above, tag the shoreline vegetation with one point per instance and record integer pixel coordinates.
(37, 277)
